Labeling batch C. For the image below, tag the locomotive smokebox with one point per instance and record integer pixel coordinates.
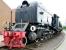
(27, 13)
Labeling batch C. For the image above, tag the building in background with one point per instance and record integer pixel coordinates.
(6, 15)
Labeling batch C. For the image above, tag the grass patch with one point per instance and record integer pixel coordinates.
(64, 27)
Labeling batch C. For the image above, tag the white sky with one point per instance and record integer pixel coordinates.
(53, 6)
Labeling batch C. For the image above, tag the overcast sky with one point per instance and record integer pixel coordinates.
(53, 6)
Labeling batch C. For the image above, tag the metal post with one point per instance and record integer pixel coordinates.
(11, 16)
(21, 23)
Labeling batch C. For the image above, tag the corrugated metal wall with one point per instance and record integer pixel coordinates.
(5, 15)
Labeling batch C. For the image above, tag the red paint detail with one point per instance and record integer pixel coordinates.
(14, 39)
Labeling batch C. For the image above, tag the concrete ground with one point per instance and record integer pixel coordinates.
(63, 45)
(1, 39)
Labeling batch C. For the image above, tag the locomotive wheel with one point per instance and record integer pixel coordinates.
(24, 41)
(51, 36)
(48, 36)
(32, 36)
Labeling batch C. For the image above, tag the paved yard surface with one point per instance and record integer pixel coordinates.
(1, 39)
(63, 45)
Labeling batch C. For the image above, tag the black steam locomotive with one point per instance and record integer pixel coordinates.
(27, 20)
